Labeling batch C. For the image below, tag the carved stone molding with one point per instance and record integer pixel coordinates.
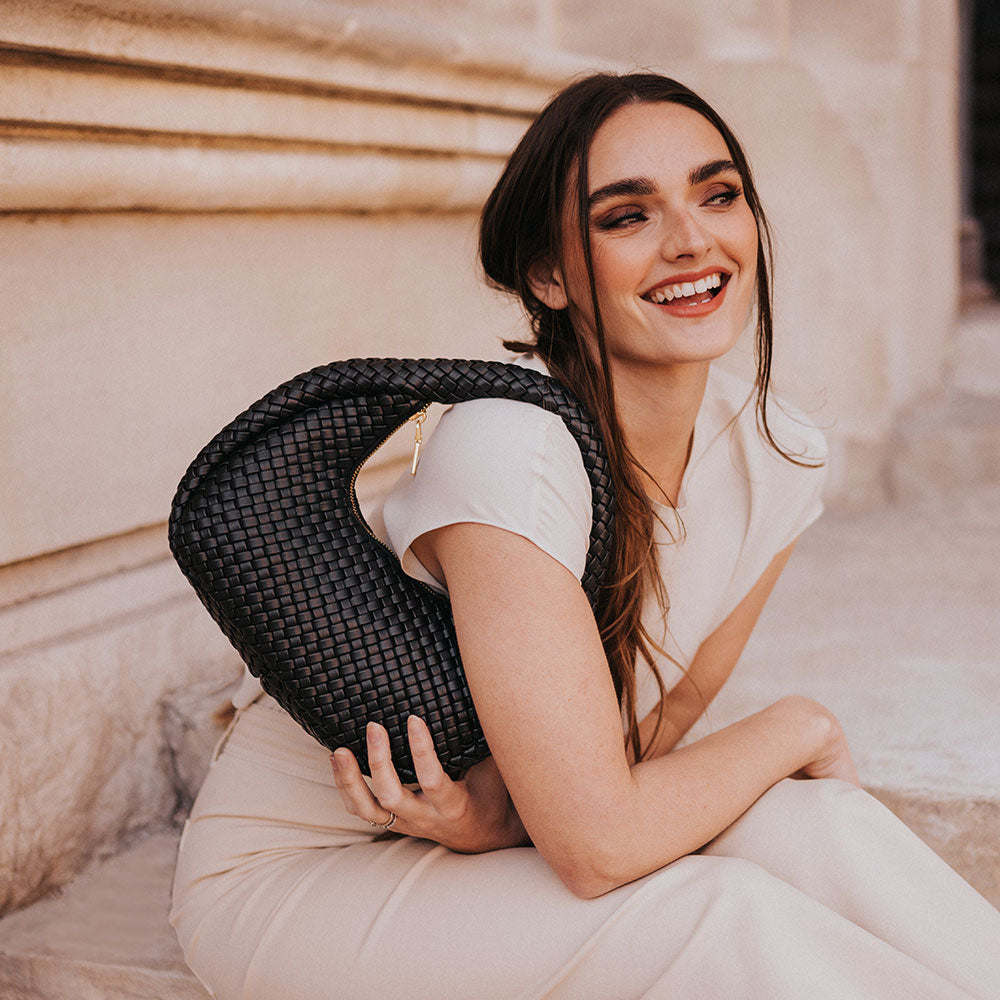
(291, 106)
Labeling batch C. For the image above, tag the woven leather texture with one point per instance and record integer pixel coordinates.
(266, 528)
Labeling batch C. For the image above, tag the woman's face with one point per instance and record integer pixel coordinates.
(674, 242)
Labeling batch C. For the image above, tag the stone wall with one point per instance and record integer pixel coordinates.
(202, 197)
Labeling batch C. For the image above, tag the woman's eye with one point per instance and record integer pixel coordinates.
(725, 197)
(621, 220)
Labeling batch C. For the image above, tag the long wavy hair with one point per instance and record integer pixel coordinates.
(521, 225)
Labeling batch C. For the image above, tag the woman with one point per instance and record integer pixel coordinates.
(593, 866)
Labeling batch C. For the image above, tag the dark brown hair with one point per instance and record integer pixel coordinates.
(520, 227)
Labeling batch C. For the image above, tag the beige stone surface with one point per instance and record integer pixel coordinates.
(105, 938)
(97, 176)
(160, 329)
(358, 47)
(943, 442)
(107, 690)
(144, 99)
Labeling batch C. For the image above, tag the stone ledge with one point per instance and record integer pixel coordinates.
(65, 93)
(76, 137)
(86, 175)
(95, 604)
(58, 571)
(293, 106)
(105, 936)
(343, 45)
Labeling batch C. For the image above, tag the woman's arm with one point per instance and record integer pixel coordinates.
(528, 639)
(713, 663)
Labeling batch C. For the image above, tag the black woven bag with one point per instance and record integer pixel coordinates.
(266, 527)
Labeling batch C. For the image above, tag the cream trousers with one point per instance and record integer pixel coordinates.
(816, 892)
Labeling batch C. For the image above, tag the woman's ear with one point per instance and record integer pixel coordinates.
(547, 284)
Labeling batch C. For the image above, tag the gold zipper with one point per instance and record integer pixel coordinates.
(419, 418)
(418, 438)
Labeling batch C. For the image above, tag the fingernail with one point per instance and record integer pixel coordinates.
(374, 731)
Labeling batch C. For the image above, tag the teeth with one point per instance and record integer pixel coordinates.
(667, 293)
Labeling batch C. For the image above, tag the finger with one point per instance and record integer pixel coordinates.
(435, 784)
(354, 791)
(385, 781)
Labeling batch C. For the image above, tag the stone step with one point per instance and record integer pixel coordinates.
(105, 937)
(947, 446)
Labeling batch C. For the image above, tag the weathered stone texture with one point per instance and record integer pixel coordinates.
(105, 729)
(107, 938)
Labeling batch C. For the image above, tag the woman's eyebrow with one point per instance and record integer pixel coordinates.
(709, 170)
(636, 186)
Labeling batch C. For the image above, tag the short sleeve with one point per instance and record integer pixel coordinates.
(797, 489)
(500, 462)
(785, 497)
(748, 502)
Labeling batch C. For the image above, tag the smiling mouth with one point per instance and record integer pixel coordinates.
(689, 292)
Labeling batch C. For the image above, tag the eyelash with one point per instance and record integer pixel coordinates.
(728, 196)
(722, 199)
(617, 221)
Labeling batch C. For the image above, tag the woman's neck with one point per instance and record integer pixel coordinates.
(658, 416)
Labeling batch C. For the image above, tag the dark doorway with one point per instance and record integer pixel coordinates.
(983, 51)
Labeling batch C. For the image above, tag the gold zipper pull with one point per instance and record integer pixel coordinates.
(418, 438)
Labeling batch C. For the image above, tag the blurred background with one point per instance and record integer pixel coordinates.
(201, 198)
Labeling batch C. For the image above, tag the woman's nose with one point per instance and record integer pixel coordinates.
(683, 237)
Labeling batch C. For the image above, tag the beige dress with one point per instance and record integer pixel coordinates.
(817, 891)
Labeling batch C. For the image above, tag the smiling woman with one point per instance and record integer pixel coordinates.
(590, 856)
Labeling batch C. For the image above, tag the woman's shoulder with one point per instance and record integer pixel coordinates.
(499, 462)
(732, 402)
(512, 427)
(507, 439)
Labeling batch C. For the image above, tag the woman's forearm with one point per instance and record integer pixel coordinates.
(680, 801)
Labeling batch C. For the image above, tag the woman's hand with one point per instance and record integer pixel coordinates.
(832, 757)
(472, 815)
